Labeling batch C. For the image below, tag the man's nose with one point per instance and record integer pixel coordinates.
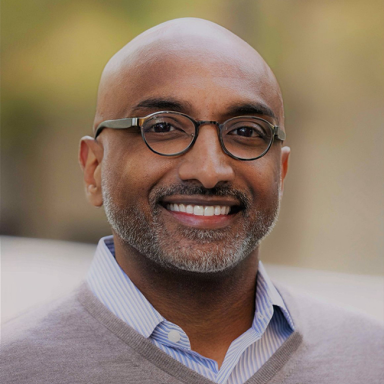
(205, 161)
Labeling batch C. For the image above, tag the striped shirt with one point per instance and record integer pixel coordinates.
(272, 323)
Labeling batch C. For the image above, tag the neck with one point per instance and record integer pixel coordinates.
(213, 309)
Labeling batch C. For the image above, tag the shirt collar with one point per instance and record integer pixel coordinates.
(267, 296)
(116, 291)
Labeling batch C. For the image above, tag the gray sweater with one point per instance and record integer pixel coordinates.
(78, 340)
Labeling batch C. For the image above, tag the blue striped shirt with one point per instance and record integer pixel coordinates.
(272, 323)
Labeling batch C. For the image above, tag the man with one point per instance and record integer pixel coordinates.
(188, 161)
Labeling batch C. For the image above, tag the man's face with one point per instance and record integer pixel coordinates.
(143, 192)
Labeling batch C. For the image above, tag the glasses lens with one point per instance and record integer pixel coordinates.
(168, 133)
(247, 137)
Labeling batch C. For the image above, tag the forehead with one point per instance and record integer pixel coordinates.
(208, 76)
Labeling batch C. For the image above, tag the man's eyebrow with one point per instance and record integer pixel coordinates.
(169, 104)
(163, 104)
(251, 109)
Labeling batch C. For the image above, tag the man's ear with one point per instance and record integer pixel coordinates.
(285, 152)
(90, 157)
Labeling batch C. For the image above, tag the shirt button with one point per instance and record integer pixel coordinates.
(174, 336)
(260, 316)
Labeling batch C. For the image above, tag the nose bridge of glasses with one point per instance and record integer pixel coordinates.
(206, 122)
(217, 125)
(200, 123)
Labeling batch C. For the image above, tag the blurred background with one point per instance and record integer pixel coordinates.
(327, 55)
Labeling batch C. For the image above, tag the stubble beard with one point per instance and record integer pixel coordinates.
(186, 248)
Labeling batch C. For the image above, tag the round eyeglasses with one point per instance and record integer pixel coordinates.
(173, 133)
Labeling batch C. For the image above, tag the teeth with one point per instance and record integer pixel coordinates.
(200, 210)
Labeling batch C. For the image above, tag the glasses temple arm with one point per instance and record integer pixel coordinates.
(116, 124)
(279, 133)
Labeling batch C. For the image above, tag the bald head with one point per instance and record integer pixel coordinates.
(172, 50)
(195, 68)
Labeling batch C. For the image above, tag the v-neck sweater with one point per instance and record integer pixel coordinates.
(78, 340)
(271, 325)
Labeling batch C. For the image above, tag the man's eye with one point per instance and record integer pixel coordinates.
(162, 128)
(246, 132)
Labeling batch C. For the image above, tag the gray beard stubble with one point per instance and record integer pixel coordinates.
(227, 246)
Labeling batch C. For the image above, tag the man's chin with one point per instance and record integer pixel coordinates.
(201, 251)
(200, 261)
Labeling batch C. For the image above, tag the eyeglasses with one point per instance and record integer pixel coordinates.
(173, 133)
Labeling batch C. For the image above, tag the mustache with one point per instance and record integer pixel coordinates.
(221, 190)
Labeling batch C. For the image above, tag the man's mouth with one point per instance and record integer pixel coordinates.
(202, 206)
(200, 210)
(193, 206)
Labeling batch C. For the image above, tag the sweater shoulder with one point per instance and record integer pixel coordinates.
(43, 322)
(312, 312)
(341, 345)
(63, 342)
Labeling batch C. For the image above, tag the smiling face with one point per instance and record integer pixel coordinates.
(202, 211)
